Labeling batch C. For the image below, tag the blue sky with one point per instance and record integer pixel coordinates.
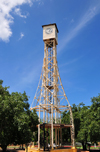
(78, 50)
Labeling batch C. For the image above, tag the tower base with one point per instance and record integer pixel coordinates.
(29, 149)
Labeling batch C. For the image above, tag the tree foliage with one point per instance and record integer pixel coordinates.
(86, 121)
(17, 122)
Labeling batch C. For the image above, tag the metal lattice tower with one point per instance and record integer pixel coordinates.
(50, 99)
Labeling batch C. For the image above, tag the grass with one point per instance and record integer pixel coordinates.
(92, 147)
(15, 147)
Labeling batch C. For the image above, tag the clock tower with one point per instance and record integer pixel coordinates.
(50, 99)
(50, 31)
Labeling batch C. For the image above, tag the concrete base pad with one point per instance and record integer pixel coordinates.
(51, 150)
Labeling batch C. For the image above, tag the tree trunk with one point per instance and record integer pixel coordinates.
(4, 147)
(22, 146)
(89, 147)
(84, 145)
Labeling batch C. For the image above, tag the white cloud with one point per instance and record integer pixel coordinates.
(18, 12)
(6, 7)
(28, 76)
(5, 31)
(88, 16)
(71, 62)
(21, 35)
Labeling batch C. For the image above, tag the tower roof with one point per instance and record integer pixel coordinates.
(51, 24)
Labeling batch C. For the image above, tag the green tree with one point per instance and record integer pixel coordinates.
(17, 122)
(95, 119)
(65, 131)
(66, 136)
(6, 116)
(90, 123)
(84, 132)
(80, 113)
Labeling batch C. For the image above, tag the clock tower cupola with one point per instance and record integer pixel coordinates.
(50, 31)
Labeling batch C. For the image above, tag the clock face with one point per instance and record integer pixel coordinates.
(49, 30)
